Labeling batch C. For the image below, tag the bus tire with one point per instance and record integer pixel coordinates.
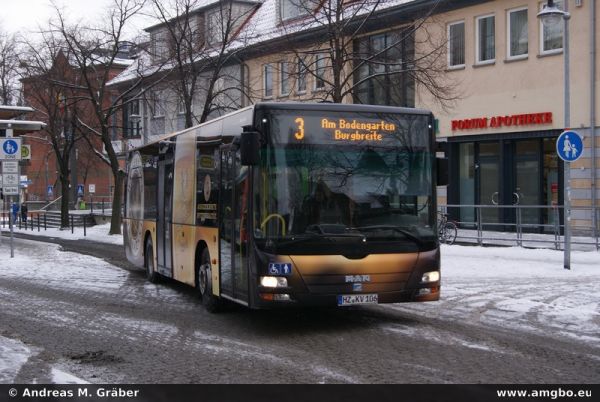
(211, 302)
(151, 274)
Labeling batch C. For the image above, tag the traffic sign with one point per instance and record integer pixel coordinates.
(10, 148)
(10, 167)
(569, 146)
(26, 151)
(92, 188)
(10, 179)
(80, 190)
(50, 191)
(12, 190)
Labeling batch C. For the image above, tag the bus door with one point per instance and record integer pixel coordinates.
(234, 221)
(165, 209)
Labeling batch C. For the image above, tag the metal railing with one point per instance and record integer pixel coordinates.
(45, 207)
(521, 225)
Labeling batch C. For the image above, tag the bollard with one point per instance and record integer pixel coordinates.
(31, 220)
(45, 226)
(479, 230)
(72, 225)
(38, 221)
(84, 229)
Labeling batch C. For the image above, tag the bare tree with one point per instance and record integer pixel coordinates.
(45, 70)
(95, 52)
(8, 68)
(198, 47)
(346, 63)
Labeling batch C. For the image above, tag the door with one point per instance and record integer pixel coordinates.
(165, 208)
(489, 169)
(234, 236)
(527, 183)
(507, 176)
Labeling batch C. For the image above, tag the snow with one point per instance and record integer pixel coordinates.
(13, 355)
(61, 377)
(521, 289)
(97, 233)
(44, 262)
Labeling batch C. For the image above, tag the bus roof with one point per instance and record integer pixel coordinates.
(340, 107)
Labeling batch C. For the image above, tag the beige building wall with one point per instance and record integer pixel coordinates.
(256, 79)
(533, 84)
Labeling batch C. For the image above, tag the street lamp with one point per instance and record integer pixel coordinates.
(551, 16)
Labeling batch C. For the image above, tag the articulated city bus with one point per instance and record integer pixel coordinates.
(284, 204)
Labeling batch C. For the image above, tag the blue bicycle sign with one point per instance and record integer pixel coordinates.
(569, 146)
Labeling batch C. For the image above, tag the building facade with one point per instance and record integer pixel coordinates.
(501, 132)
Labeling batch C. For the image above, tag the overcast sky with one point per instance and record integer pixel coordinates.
(27, 15)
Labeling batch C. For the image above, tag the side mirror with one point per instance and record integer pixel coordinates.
(249, 147)
(442, 171)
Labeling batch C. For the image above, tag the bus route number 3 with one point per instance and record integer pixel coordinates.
(300, 133)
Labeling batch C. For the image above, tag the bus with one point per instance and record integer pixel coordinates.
(282, 204)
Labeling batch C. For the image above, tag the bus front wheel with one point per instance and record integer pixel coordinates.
(151, 274)
(204, 274)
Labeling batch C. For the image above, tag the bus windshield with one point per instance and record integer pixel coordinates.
(360, 179)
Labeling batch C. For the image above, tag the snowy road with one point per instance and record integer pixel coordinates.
(506, 315)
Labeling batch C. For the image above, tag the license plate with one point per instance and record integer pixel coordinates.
(348, 300)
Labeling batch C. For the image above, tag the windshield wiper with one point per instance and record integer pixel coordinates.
(406, 233)
(299, 238)
(332, 230)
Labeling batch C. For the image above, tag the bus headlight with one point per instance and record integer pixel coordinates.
(273, 282)
(429, 277)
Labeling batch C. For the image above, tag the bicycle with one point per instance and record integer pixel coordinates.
(447, 230)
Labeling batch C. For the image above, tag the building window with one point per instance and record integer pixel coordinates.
(486, 39)
(456, 44)
(320, 71)
(518, 38)
(551, 38)
(301, 71)
(284, 79)
(132, 119)
(290, 9)
(180, 105)
(160, 44)
(383, 69)
(158, 107)
(215, 27)
(268, 80)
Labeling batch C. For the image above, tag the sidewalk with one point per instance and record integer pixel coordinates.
(528, 240)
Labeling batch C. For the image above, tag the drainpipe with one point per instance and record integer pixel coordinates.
(593, 112)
